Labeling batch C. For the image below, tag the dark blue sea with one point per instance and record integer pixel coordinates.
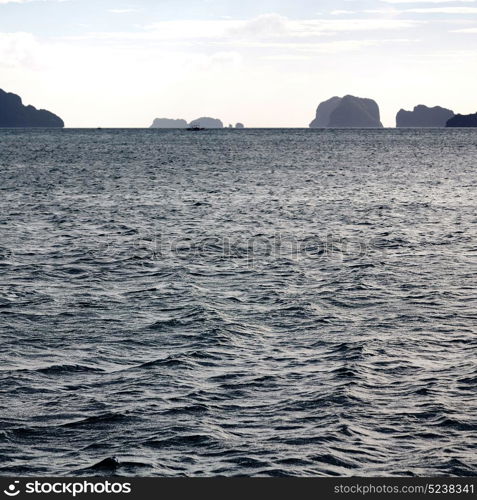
(238, 302)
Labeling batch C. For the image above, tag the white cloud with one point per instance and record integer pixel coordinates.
(332, 47)
(341, 12)
(464, 30)
(264, 27)
(218, 61)
(318, 27)
(4, 2)
(19, 49)
(428, 1)
(122, 11)
(322, 47)
(387, 10)
(443, 10)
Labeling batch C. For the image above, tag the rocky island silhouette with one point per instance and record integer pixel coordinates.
(463, 121)
(423, 116)
(347, 112)
(202, 122)
(206, 122)
(168, 123)
(338, 112)
(13, 113)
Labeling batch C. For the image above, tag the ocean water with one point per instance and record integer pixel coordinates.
(243, 302)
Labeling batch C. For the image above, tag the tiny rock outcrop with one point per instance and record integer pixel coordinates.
(13, 113)
(168, 123)
(423, 116)
(206, 122)
(463, 121)
(239, 125)
(347, 112)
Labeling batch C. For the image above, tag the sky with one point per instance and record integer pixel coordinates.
(266, 63)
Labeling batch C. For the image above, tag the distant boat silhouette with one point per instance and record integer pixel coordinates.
(195, 128)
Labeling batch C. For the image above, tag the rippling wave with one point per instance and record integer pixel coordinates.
(258, 302)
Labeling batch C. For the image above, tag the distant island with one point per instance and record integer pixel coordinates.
(13, 113)
(202, 122)
(423, 116)
(168, 123)
(206, 122)
(347, 112)
(463, 121)
(338, 112)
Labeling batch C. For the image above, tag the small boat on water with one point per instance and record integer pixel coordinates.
(195, 128)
